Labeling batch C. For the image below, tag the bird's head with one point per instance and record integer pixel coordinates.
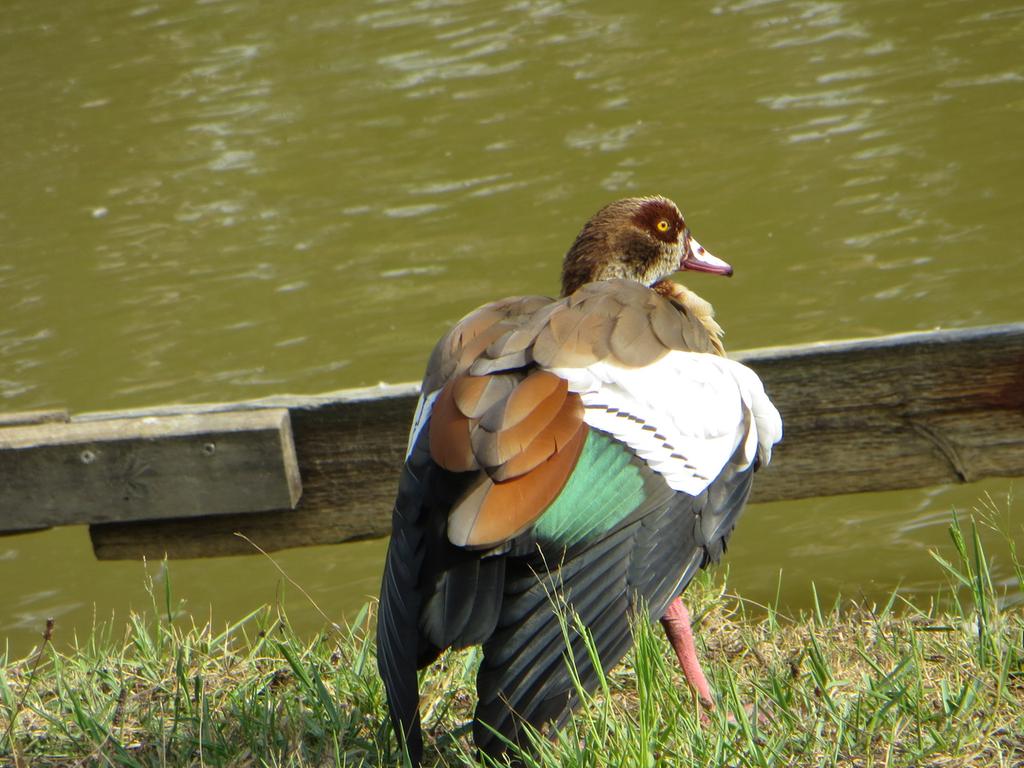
(640, 238)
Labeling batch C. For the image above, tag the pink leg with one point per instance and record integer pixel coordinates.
(676, 622)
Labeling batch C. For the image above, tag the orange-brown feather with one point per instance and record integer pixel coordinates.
(450, 444)
(475, 395)
(567, 422)
(492, 513)
(526, 398)
(493, 444)
(472, 348)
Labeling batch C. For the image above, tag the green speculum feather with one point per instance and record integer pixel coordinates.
(604, 488)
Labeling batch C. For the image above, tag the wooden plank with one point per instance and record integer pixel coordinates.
(146, 468)
(349, 453)
(32, 417)
(20, 419)
(903, 411)
(906, 411)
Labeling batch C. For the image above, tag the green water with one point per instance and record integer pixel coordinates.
(212, 201)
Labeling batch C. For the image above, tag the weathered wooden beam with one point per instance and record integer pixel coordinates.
(144, 468)
(349, 446)
(32, 417)
(903, 411)
(24, 418)
(906, 411)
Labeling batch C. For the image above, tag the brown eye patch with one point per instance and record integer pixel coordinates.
(660, 218)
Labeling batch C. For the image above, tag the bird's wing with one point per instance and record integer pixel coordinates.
(687, 414)
(517, 384)
(538, 651)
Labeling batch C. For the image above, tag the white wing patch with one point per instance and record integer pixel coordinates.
(685, 415)
(423, 408)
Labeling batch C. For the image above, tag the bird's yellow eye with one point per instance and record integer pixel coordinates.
(663, 226)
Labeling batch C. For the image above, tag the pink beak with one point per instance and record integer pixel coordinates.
(698, 259)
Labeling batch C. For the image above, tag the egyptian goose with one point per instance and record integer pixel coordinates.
(598, 447)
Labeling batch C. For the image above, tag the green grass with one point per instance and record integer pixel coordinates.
(847, 684)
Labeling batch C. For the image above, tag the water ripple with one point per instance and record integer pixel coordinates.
(210, 201)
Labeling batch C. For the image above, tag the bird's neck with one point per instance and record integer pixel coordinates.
(579, 273)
